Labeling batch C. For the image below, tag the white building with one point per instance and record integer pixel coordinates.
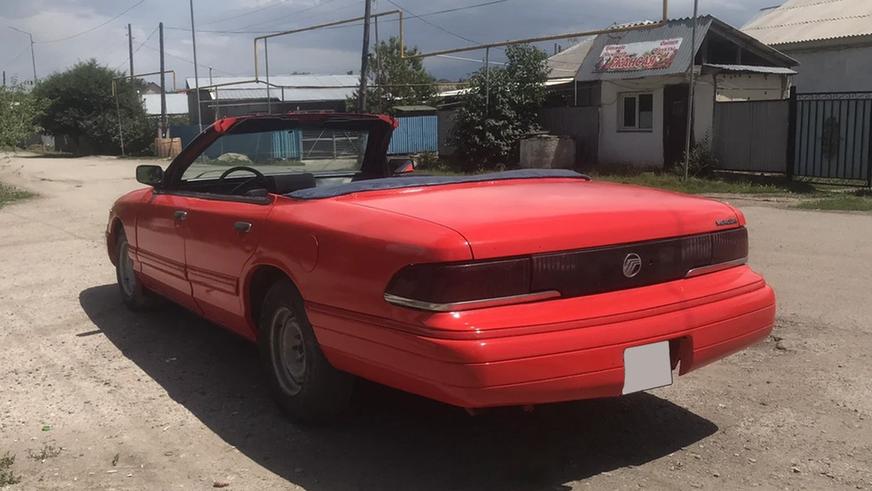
(640, 84)
(832, 40)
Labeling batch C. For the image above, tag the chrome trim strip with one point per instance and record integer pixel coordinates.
(471, 304)
(715, 267)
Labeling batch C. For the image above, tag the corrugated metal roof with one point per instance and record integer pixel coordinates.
(674, 29)
(289, 88)
(176, 104)
(775, 70)
(548, 83)
(567, 62)
(798, 21)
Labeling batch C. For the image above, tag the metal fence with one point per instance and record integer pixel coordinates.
(832, 135)
(415, 134)
(581, 123)
(751, 136)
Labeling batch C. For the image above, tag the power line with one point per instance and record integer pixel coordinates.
(244, 14)
(137, 48)
(188, 60)
(245, 29)
(346, 26)
(16, 57)
(432, 24)
(294, 14)
(67, 38)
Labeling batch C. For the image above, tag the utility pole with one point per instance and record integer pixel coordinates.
(364, 59)
(196, 79)
(690, 91)
(163, 88)
(130, 49)
(32, 54)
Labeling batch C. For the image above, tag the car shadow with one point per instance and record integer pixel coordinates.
(392, 440)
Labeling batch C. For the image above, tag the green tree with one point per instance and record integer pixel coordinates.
(395, 80)
(19, 114)
(81, 106)
(500, 107)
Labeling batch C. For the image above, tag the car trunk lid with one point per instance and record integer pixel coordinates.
(518, 217)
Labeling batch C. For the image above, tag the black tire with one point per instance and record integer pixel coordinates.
(305, 385)
(135, 296)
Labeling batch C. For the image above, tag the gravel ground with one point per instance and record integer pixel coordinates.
(166, 401)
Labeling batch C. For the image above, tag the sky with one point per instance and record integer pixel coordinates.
(69, 31)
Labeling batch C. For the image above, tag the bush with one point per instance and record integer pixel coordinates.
(19, 114)
(81, 106)
(499, 108)
(702, 161)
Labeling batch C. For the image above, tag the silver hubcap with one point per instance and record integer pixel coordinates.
(289, 352)
(125, 271)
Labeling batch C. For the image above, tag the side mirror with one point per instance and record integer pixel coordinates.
(402, 166)
(150, 175)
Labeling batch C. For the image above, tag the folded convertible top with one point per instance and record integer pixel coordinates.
(419, 181)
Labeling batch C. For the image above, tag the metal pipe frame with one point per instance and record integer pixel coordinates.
(322, 26)
(150, 73)
(554, 37)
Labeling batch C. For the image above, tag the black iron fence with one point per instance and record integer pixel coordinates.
(830, 135)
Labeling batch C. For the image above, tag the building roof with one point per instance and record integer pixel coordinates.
(664, 50)
(798, 21)
(176, 104)
(288, 88)
(774, 70)
(567, 62)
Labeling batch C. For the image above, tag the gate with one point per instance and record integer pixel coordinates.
(751, 136)
(832, 135)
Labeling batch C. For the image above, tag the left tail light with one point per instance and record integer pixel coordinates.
(463, 286)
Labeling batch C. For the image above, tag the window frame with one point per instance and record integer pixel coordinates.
(636, 128)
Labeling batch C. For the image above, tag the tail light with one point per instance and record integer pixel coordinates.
(462, 286)
(728, 248)
(479, 284)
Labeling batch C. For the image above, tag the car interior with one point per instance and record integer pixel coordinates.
(279, 156)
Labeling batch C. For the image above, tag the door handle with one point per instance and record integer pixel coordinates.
(242, 227)
(180, 215)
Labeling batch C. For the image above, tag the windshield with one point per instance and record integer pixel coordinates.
(301, 150)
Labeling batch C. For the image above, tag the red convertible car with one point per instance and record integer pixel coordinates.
(513, 288)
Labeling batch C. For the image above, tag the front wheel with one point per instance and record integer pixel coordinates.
(134, 295)
(303, 382)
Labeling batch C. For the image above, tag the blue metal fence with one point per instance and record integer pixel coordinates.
(416, 134)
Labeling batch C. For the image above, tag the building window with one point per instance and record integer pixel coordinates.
(636, 112)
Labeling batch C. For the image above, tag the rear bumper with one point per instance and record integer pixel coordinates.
(549, 351)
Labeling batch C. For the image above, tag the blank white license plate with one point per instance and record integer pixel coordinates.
(647, 367)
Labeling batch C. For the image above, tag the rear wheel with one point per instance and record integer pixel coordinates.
(303, 382)
(134, 295)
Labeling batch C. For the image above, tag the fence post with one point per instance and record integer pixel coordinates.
(791, 133)
(869, 156)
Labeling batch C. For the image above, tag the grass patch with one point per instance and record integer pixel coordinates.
(47, 452)
(721, 183)
(8, 194)
(859, 201)
(7, 477)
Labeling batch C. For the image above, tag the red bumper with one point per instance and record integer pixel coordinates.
(548, 351)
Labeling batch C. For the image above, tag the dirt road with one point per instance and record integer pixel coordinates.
(166, 401)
